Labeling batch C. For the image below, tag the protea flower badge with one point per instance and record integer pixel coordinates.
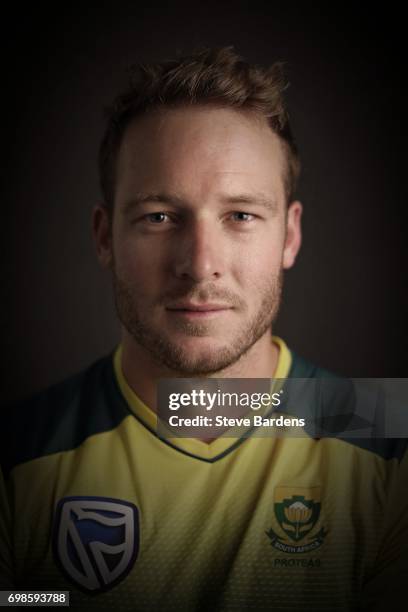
(297, 512)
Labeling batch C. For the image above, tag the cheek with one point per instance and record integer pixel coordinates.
(138, 266)
(258, 267)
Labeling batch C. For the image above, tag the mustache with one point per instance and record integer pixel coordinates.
(209, 293)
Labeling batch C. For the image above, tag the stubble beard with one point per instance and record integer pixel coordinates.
(171, 354)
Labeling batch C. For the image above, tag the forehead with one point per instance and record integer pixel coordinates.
(198, 151)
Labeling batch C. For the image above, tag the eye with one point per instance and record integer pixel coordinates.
(157, 218)
(241, 216)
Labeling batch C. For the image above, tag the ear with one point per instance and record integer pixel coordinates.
(293, 238)
(102, 234)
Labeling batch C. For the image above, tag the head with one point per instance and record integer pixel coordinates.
(198, 171)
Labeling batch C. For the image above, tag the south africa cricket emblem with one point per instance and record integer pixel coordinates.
(297, 513)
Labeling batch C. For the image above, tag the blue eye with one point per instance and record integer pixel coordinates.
(242, 216)
(156, 218)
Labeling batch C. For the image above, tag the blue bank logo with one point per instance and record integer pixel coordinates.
(96, 540)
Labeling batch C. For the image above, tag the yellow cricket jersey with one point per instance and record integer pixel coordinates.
(92, 501)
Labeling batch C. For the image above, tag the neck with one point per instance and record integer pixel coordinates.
(142, 372)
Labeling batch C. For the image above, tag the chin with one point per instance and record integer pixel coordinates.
(198, 356)
(201, 348)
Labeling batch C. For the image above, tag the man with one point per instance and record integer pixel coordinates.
(198, 171)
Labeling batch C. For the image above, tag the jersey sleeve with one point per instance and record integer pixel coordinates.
(388, 583)
(6, 557)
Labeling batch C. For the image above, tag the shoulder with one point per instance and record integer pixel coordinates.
(346, 409)
(303, 368)
(62, 416)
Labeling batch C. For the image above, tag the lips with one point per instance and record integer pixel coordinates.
(190, 307)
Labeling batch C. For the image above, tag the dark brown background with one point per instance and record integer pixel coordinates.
(345, 302)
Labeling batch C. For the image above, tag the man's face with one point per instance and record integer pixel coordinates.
(200, 235)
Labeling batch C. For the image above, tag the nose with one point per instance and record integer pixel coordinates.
(199, 254)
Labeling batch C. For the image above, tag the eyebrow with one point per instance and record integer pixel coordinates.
(250, 199)
(142, 198)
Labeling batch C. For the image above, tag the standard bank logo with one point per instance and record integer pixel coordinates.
(95, 540)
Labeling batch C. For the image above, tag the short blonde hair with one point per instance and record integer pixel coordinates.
(209, 76)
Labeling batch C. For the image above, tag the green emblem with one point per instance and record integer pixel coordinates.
(297, 516)
(297, 511)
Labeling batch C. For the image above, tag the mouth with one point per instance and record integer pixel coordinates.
(188, 309)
